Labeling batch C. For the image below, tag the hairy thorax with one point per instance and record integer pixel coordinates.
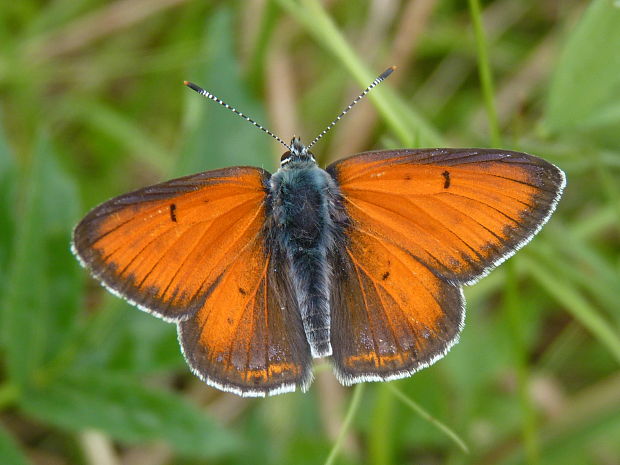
(300, 208)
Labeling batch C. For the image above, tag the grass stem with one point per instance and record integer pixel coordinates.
(484, 70)
(428, 417)
(8, 395)
(346, 424)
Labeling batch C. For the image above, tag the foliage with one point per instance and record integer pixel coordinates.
(91, 105)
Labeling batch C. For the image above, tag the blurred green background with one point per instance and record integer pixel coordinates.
(92, 105)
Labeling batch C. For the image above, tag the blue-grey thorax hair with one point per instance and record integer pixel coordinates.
(306, 219)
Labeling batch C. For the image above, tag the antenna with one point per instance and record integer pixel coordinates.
(209, 95)
(380, 78)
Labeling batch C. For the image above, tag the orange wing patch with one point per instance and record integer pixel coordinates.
(390, 314)
(248, 337)
(165, 247)
(459, 212)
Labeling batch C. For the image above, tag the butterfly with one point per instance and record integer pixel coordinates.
(362, 262)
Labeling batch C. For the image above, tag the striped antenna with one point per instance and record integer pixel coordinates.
(380, 78)
(209, 95)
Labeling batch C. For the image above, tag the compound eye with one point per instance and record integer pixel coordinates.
(285, 156)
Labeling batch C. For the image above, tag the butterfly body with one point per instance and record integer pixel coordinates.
(306, 219)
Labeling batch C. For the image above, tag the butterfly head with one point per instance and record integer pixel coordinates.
(297, 154)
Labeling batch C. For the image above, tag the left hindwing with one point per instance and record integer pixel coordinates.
(423, 222)
(248, 337)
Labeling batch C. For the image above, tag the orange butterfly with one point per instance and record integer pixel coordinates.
(363, 261)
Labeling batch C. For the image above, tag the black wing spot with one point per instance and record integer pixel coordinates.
(386, 275)
(242, 291)
(446, 177)
(229, 320)
(173, 212)
(407, 177)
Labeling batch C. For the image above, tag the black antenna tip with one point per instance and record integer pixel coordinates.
(387, 72)
(193, 86)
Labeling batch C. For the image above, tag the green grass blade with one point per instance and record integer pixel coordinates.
(354, 404)
(484, 71)
(590, 421)
(10, 453)
(586, 79)
(581, 264)
(126, 410)
(381, 436)
(43, 279)
(576, 304)
(209, 142)
(529, 431)
(124, 130)
(260, 46)
(8, 174)
(608, 183)
(405, 122)
(428, 417)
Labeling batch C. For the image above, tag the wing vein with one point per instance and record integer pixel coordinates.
(148, 211)
(251, 298)
(148, 244)
(485, 204)
(379, 239)
(430, 254)
(432, 219)
(240, 251)
(490, 231)
(401, 350)
(266, 318)
(367, 309)
(199, 242)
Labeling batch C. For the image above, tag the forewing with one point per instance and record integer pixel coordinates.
(421, 223)
(458, 211)
(165, 247)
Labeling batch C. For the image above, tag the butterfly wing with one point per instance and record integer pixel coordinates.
(424, 222)
(164, 247)
(248, 338)
(192, 250)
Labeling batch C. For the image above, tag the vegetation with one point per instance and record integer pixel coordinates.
(92, 105)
